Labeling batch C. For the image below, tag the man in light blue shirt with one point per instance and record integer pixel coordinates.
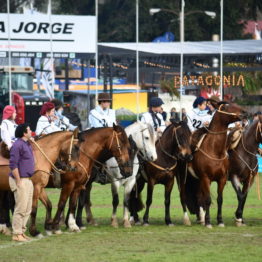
(102, 115)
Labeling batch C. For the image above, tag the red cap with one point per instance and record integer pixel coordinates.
(46, 107)
(8, 112)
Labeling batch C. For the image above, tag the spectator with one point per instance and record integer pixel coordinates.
(163, 113)
(22, 168)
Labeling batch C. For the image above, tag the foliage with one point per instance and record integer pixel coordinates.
(168, 86)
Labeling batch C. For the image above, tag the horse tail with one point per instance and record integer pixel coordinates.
(191, 188)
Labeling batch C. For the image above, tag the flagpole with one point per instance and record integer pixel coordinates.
(9, 53)
(51, 46)
(96, 55)
(137, 60)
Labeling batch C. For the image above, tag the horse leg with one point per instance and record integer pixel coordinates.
(127, 190)
(204, 201)
(48, 205)
(72, 208)
(32, 228)
(245, 189)
(220, 187)
(114, 189)
(4, 214)
(186, 219)
(168, 190)
(80, 207)
(89, 215)
(240, 198)
(64, 195)
(150, 188)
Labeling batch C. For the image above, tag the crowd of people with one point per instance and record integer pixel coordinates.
(15, 139)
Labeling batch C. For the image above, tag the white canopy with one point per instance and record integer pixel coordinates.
(189, 48)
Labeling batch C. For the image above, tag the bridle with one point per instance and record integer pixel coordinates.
(115, 135)
(258, 130)
(144, 145)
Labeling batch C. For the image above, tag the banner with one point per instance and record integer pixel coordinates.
(31, 33)
(48, 77)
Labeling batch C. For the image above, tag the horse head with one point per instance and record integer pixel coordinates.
(229, 112)
(145, 141)
(120, 148)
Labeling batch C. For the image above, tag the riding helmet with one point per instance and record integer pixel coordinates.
(155, 102)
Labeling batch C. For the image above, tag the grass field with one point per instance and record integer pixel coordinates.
(154, 243)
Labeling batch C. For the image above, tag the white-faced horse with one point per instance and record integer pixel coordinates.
(144, 138)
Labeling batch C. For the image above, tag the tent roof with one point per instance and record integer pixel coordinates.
(190, 48)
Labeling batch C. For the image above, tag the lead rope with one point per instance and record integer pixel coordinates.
(258, 187)
(47, 158)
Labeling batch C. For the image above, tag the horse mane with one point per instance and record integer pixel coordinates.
(37, 138)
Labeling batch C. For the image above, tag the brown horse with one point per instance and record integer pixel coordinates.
(210, 163)
(243, 165)
(173, 145)
(92, 143)
(46, 152)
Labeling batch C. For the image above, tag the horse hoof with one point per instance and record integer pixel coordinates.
(74, 230)
(49, 233)
(240, 224)
(82, 228)
(221, 225)
(92, 223)
(138, 223)
(187, 222)
(171, 225)
(39, 236)
(58, 232)
(127, 224)
(209, 226)
(146, 224)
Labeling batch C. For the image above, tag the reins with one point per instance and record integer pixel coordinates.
(167, 169)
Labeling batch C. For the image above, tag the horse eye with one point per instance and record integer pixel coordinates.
(147, 138)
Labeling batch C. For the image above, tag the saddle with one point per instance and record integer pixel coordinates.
(197, 139)
(234, 138)
(4, 154)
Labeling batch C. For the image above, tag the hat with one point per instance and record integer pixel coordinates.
(57, 103)
(46, 107)
(104, 97)
(198, 101)
(156, 102)
(8, 112)
(215, 98)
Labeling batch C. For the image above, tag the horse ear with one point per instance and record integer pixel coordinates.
(174, 122)
(75, 133)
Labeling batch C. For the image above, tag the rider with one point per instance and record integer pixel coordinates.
(199, 116)
(62, 121)
(102, 115)
(154, 117)
(8, 126)
(45, 123)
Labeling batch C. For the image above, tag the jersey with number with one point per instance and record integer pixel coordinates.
(196, 118)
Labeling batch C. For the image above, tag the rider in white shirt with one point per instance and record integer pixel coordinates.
(8, 126)
(102, 115)
(153, 117)
(45, 124)
(199, 116)
(61, 121)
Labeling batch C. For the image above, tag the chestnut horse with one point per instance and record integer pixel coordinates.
(92, 143)
(173, 145)
(210, 163)
(243, 165)
(45, 154)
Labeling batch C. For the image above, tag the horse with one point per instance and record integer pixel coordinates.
(141, 138)
(210, 163)
(174, 145)
(92, 143)
(144, 141)
(243, 164)
(46, 151)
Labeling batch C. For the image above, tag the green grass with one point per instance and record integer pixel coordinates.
(154, 243)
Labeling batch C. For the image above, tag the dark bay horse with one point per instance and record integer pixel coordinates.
(243, 165)
(173, 145)
(210, 163)
(92, 143)
(46, 151)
